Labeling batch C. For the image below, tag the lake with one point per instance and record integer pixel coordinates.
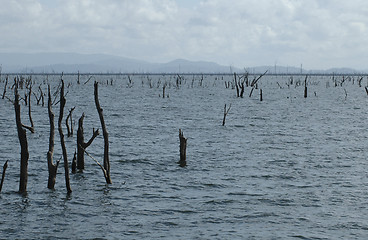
(287, 167)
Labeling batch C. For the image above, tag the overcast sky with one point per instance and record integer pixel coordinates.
(244, 33)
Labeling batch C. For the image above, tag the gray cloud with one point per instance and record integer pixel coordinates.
(319, 34)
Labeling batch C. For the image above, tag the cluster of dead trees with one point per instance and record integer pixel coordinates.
(78, 160)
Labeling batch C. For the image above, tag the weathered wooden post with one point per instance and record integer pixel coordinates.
(183, 149)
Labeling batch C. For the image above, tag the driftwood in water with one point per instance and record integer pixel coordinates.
(51, 166)
(183, 149)
(69, 129)
(65, 155)
(3, 175)
(81, 145)
(24, 155)
(106, 163)
(226, 111)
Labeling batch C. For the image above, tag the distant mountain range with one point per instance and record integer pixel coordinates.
(102, 63)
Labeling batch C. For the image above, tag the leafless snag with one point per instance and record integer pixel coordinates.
(260, 95)
(106, 164)
(99, 164)
(163, 91)
(65, 156)
(81, 145)
(236, 85)
(226, 111)
(253, 84)
(29, 108)
(74, 162)
(70, 129)
(305, 87)
(78, 79)
(3, 175)
(183, 149)
(51, 166)
(23, 145)
(6, 84)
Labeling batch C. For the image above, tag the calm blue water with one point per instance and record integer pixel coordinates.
(284, 168)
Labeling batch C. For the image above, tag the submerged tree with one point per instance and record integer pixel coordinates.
(65, 155)
(106, 163)
(24, 154)
(81, 145)
(51, 166)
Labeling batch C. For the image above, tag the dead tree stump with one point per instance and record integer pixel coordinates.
(260, 95)
(81, 145)
(305, 87)
(6, 84)
(226, 111)
(70, 116)
(29, 108)
(106, 163)
(74, 162)
(183, 149)
(51, 166)
(24, 155)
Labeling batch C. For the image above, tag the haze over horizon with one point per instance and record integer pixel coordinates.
(316, 34)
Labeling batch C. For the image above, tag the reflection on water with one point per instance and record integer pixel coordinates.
(286, 167)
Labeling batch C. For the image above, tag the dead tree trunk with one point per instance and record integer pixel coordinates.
(225, 114)
(260, 95)
(3, 175)
(236, 85)
(24, 155)
(106, 164)
(253, 84)
(51, 166)
(29, 108)
(6, 84)
(69, 129)
(305, 87)
(81, 145)
(74, 162)
(183, 149)
(65, 156)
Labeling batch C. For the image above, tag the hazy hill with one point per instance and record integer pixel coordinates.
(98, 63)
(102, 63)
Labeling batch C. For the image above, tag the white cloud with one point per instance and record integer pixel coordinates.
(319, 34)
